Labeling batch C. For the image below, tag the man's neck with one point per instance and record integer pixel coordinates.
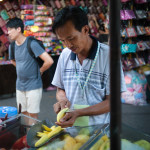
(85, 53)
(20, 40)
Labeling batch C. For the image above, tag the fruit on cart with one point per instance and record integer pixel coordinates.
(55, 131)
(61, 114)
(127, 145)
(81, 138)
(143, 143)
(84, 131)
(42, 140)
(98, 144)
(69, 143)
(46, 135)
(46, 128)
(105, 145)
(77, 146)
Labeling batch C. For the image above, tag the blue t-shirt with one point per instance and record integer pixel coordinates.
(28, 71)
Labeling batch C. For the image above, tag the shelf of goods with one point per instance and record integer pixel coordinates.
(38, 22)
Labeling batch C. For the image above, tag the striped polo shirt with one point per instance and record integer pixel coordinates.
(98, 83)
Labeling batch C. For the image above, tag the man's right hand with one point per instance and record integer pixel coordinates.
(61, 105)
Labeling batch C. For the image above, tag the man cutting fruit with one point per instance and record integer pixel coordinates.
(82, 75)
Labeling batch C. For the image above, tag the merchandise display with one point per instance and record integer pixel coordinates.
(38, 21)
(8, 10)
(135, 49)
(135, 46)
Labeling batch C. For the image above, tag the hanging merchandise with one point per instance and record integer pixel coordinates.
(136, 87)
(128, 48)
(131, 32)
(141, 46)
(140, 30)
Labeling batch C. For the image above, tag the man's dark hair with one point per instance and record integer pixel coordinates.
(70, 13)
(15, 23)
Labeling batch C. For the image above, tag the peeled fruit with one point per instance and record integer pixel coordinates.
(55, 131)
(69, 143)
(46, 128)
(61, 114)
(105, 145)
(97, 145)
(82, 138)
(46, 135)
(42, 140)
(77, 146)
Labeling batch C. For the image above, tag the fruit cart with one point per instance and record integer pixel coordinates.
(14, 134)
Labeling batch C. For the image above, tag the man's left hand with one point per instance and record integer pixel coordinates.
(68, 120)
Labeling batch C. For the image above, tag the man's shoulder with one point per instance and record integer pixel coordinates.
(104, 47)
(66, 52)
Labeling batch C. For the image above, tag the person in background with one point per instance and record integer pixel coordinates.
(3, 51)
(82, 75)
(29, 83)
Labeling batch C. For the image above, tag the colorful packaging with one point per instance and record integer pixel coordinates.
(2, 22)
(11, 14)
(7, 5)
(4, 14)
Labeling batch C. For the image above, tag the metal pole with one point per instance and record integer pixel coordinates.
(115, 120)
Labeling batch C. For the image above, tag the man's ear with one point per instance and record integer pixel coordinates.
(19, 29)
(85, 29)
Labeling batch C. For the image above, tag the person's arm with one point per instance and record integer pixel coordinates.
(13, 62)
(48, 61)
(63, 102)
(97, 109)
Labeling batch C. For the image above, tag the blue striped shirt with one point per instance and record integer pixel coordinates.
(98, 84)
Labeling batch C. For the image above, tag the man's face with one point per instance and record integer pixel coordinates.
(13, 33)
(73, 39)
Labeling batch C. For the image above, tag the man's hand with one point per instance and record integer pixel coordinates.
(61, 105)
(68, 120)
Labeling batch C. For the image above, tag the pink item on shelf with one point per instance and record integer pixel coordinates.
(2, 22)
(140, 1)
(4, 38)
(128, 79)
(105, 2)
(28, 12)
(5, 29)
(29, 17)
(58, 5)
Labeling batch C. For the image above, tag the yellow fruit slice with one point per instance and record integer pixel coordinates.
(46, 128)
(61, 114)
(42, 140)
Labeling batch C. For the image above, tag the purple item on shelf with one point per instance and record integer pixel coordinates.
(122, 15)
(27, 6)
(129, 14)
